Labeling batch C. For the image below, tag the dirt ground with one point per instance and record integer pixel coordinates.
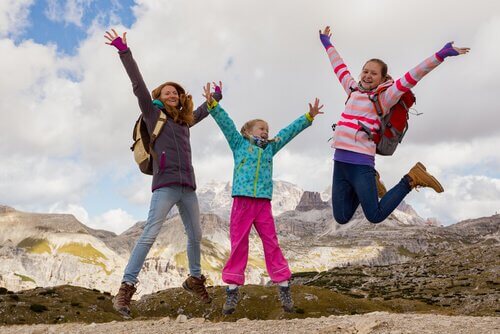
(376, 322)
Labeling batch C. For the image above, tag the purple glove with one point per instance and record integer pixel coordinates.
(447, 51)
(218, 90)
(118, 43)
(325, 40)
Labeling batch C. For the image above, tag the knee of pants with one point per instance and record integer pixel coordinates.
(374, 219)
(194, 236)
(146, 240)
(341, 220)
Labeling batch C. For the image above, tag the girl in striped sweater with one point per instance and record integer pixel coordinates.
(354, 175)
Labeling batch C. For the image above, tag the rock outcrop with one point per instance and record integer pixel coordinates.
(311, 201)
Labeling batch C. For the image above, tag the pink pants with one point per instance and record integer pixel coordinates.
(247, 211)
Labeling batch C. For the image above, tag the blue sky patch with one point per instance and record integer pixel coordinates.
(51, 22)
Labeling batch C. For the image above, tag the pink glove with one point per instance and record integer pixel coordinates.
(118, 43)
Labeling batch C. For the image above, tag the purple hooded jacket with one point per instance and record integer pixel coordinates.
(173, 148)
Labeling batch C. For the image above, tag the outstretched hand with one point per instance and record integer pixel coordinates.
(207, 94)
(326, 32)
(217, 87)
(449, 51)
(324, 36)
(315, 109)
(114, 39)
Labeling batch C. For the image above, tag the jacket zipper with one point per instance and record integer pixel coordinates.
(257, 173)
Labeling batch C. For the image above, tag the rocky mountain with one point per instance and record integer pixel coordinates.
(456, 269)
(54, 249)
(215, 197)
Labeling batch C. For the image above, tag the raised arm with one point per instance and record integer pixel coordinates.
(286, 134)
(139, 87)
(202, 111)
(225, 123)
(339, 67)
(392, 95)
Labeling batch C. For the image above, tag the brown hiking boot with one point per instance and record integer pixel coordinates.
(421, 178)
(381, 190)
(121, 302)
(197, 286)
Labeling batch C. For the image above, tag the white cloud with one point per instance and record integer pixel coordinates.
(69, 208)
(75, 114)
(13, 16)
(114, 220)
(67, 11)
(138, 191)
(32, 182)
(465, 197)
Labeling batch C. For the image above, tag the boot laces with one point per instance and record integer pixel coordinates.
(285, 296)
(125, 294)
(232, 297)
(197, 284)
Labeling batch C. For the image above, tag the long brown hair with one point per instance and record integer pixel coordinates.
(183, 113)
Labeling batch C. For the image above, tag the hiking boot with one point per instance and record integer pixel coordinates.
(121, 302)
(196, 286)
(421, 178)
(381, 190)
(232, 298)
(286, 298)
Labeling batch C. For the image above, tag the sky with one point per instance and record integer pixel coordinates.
(67, 108)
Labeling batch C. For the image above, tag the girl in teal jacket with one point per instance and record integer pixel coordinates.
(253, 154)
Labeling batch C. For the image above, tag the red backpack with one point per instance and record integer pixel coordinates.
(393, 125)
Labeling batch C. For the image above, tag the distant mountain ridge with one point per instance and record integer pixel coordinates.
(54, 249)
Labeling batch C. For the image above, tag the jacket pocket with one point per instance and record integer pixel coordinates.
(240, 164)
(163, 162)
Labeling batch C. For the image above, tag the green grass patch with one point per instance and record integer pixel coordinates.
(86, 251)
(35, 246)
(25, 278)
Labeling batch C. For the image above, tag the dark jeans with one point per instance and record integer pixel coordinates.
(355, 184)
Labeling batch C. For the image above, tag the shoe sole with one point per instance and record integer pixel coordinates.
(228, 312)
(124, 313)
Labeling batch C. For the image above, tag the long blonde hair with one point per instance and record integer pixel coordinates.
(183, 113)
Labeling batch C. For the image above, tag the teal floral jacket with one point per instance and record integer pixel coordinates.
(253, 166)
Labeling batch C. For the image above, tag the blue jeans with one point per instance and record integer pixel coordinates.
(355, 184)
(162, 201)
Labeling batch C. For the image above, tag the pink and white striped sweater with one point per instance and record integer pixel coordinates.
(359, 107)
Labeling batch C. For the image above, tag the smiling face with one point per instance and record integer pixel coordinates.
(371, 75)
(260, 129)
(169, 96)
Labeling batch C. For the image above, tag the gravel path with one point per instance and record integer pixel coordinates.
(376, 322)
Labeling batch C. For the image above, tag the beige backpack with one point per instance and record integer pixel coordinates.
(143, 143)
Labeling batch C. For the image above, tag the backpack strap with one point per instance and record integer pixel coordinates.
(375, 98)
(160, 123)
(353, 89)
